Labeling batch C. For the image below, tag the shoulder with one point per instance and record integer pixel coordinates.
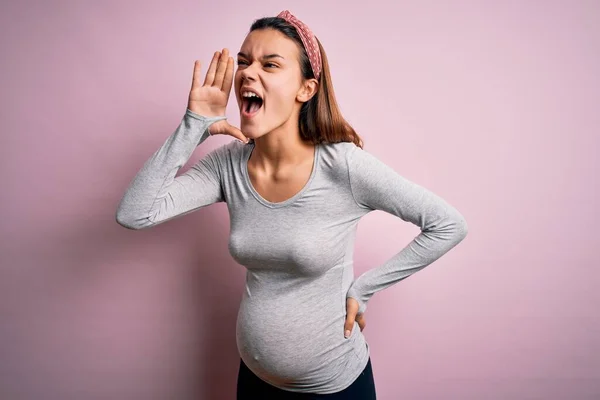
(333, 159)
(337, 153)
(347, 156)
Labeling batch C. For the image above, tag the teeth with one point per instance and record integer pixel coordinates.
(250, 94)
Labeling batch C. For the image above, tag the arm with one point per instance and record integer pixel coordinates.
(376, 186)
(155, 195)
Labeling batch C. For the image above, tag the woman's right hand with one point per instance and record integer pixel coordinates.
(210, 98)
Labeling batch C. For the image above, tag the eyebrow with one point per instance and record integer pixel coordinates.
(263, 57)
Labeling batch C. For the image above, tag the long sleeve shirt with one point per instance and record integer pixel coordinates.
(298, 253)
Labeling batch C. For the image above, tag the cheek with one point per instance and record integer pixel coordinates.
(237, 84)
(285, 92)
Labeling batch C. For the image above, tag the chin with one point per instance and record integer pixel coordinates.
(251, 134)
(249, 131)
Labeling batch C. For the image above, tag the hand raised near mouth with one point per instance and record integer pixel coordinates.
(210, 98)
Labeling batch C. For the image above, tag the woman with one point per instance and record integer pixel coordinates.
(296, 183)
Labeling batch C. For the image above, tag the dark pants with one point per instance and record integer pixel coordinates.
(251, 387)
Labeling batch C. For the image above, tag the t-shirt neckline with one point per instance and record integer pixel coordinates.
(249, 148)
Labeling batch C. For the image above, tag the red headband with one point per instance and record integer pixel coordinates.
(308, 39)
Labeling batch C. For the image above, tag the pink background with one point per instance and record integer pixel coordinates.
(492, 105)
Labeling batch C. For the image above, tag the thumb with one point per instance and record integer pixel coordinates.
(236, 133)
(351, 311)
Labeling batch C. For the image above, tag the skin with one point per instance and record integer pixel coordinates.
(281, 162)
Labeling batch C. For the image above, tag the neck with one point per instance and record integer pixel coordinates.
(281, 147)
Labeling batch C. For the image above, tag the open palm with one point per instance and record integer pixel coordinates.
(209, 98)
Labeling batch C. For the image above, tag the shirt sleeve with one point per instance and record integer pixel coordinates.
(376, 186)
(155, 195)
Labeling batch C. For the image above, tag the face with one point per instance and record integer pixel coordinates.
(268, 65)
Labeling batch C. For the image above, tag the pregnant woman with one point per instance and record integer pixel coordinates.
(296, 183)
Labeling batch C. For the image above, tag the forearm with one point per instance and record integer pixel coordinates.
(150, 197)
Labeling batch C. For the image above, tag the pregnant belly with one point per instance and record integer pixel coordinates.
(290, 344)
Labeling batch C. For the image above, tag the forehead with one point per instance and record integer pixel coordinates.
(269, 41)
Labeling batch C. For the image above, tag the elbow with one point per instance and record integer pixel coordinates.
(130, 221)
(460, 228)
(130, 216)
(454, 227)
(463, 229)
(122, 220)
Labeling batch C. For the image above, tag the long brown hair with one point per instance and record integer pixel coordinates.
(321, 120)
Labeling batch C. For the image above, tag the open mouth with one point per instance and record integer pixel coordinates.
(251, 104)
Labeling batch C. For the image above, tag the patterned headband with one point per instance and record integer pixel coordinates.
(308, 39)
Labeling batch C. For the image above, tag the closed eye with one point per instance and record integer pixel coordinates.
(242, 62)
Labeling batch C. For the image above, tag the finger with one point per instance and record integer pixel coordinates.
(227, 82)
(212, 69)
(348, 326)
(236, 133)
(361, 322)
(221, 68)
(350, 317)
(196, 75)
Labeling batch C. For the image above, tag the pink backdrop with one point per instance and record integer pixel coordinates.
(492, 105)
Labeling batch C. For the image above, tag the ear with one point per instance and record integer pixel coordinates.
(308, 90)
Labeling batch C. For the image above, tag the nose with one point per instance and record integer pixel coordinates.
(247, 76)
(249, 73)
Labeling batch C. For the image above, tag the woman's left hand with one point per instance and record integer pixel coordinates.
(351, 310)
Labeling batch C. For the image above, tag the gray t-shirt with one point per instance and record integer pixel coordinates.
(298, 253)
